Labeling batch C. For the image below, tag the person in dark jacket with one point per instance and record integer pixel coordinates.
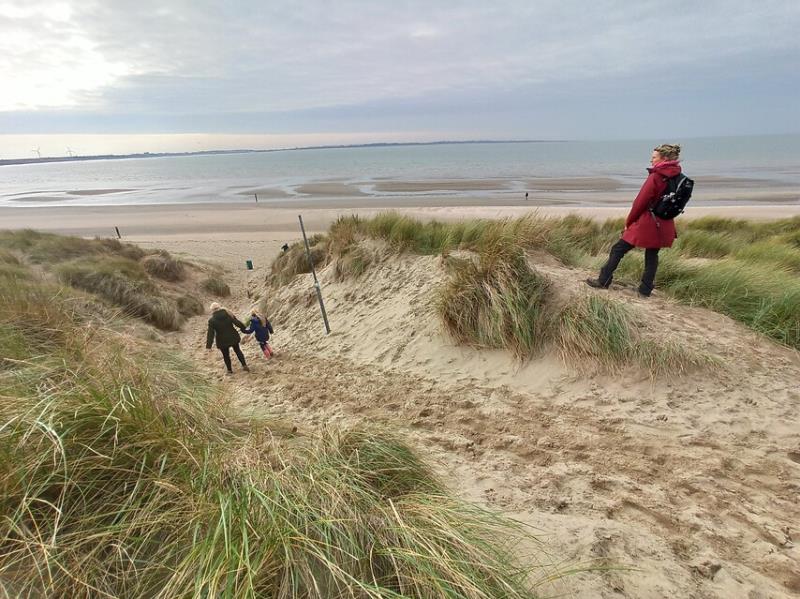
(643, 229)
(221, 326)
(262, 329)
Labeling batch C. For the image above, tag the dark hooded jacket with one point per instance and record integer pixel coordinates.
(642, 228)
(220, 326)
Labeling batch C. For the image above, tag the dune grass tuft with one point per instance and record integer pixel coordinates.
(767, 300)
(215, 285)
(792, 239)
(13, 271)
(294, 261)
(7, 257)
(771, 254)
(352, 263)
(46, 248)
(21, 240)
(189, 305)
(124, 474)
(705, 244)
(11, 267)
(594, 329)
(351, 258)
(121, 274)
(163, 266)
(495, 301)
(124, 283)
(597, 329)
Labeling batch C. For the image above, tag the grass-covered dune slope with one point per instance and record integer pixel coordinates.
(497, 298)
(153, 285)
(123, 473)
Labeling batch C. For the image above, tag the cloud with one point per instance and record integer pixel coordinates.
(202, 65)
(47, 61)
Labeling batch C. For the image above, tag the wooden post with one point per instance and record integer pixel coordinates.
(314, 274)
(118, 235)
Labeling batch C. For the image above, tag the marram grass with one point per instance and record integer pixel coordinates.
(495, 301)
(124, 474)
(294, 261)
(47, 248)
(122, 274)
(595, 329)
(163, 266)
(748, 269)
(216, 285)
(122, 282)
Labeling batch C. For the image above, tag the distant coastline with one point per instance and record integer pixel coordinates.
(12, 161)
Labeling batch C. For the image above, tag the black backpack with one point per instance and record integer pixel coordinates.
(676, 196)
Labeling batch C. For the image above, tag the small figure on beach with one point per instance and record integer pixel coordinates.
(262, 329)
(285, 247)
(526, 195)
(643, 229)
(221, 327)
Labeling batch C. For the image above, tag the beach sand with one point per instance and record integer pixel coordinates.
(277, 220)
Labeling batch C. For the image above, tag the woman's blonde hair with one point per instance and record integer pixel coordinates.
(669, 151)
(217, 306)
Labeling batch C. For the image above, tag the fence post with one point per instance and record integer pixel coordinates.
(314, 274)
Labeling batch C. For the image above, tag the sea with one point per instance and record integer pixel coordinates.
(773, 161)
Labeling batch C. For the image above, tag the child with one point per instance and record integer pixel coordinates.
(262, 329)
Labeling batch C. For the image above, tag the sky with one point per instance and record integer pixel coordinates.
(117, 76)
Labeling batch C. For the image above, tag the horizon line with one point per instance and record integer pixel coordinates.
(78, 158)
(137, 155)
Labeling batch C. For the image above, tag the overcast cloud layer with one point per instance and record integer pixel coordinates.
(409, 69)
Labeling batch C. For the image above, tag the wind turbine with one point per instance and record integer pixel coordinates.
(37, 152)
(70, 153)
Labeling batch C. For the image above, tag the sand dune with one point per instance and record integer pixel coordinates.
(691, 480)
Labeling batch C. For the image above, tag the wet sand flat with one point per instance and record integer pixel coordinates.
(96, 192)
(575, 184)
(444, 185)
(330, 188)
(263, 192)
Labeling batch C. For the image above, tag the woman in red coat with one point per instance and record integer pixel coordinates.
(643, 229)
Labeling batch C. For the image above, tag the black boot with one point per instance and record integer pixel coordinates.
(597, 284)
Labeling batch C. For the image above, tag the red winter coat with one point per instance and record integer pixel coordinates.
(642, 228)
